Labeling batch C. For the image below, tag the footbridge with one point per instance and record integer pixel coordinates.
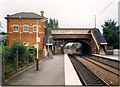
(91, 39)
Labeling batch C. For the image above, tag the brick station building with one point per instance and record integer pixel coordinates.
(22, 27)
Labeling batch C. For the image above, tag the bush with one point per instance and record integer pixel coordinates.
(20, 48)
(9, 67)
(6, 53)
(26, 55)
(31, 53)
(31, 49)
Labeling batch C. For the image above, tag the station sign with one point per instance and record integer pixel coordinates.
(38, 39)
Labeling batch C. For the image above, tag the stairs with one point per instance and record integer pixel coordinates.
(108, 51)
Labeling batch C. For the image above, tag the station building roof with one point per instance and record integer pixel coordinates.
(24, 15)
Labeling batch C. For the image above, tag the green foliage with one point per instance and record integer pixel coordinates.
(9, 68)
(21, 51)
(2, 33)
(26, 55)
(68, 47)
(16, 41)
(9, 64)
(0, 24)
(0, 49)
(3, 40)
(51, 23)
(74, 45)
(32, 53)
(31, 49)
(111, 33)
(6, 52)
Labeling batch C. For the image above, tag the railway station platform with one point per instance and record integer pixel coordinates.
(114, 57)
(71, 77)
(55, 71)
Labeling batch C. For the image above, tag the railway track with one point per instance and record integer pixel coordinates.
(106, 61)
(105, 69)
(106, 66)
(87, 77)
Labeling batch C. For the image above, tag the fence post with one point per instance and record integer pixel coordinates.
(28, 59)
(16, 60)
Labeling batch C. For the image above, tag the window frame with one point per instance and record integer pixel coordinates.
(34, 28)
(14, 28)
(25, 27)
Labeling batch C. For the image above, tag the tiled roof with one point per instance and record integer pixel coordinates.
(99, 37)
(24, 15)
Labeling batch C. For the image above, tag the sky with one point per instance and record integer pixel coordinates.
(69, 13)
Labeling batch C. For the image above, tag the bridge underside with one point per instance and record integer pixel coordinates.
(91, 40)
(59, 45)
(61, 40)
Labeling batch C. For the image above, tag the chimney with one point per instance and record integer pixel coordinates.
(8, 15)
(42, 13)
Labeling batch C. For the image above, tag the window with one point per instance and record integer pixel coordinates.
(26, 28)
(35, 29)
(15, 28)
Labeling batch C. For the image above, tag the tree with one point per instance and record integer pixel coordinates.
(3, 37)
(0, 25)
(111, 33)
(51, 23)
(74, 45)
(4, 40)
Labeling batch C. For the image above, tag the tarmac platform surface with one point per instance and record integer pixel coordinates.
(51, 72)
(55, 71)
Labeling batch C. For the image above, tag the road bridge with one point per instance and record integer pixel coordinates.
(91, 39)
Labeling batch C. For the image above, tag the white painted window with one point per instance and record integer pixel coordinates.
(35, 29)
(15, 28)
(26, 28)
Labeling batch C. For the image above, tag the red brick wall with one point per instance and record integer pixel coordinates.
(30, 36)
(94, 47)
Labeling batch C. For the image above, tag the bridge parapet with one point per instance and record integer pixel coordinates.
(91, 39)
(70, 31)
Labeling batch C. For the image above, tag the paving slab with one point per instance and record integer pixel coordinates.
(51, 72)
(71, 77)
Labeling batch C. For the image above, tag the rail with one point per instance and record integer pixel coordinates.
(86, 76)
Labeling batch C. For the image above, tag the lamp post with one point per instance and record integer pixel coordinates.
(20, 29)
(38, 40)
(48, 44)
(95, 20)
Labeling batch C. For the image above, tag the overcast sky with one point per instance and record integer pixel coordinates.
(69, 13)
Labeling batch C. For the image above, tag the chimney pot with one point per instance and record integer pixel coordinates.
(42, 13)
(8, 15)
